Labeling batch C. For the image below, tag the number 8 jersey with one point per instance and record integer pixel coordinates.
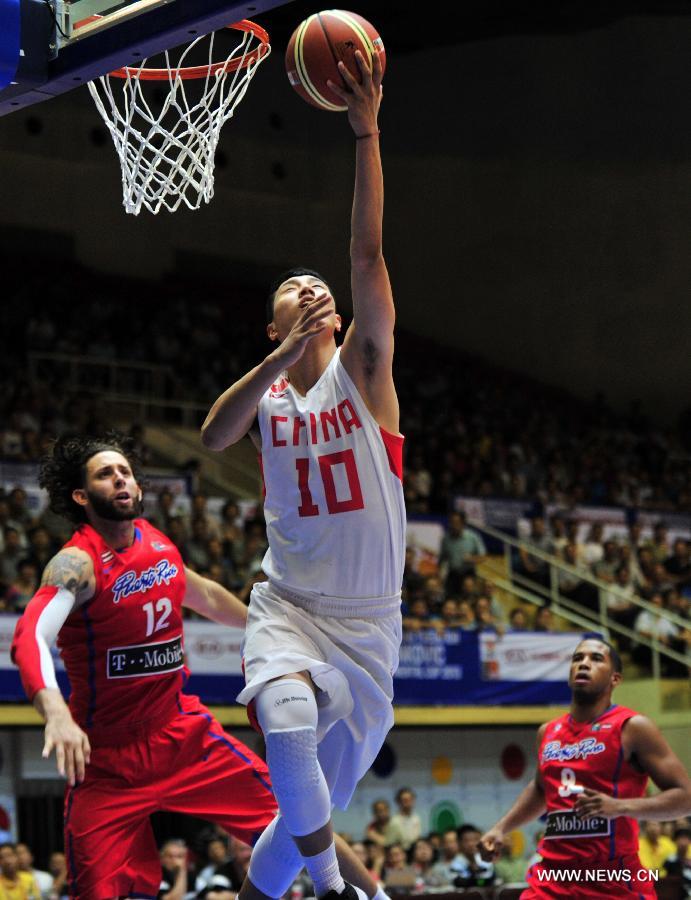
(123, 649)
(576, 755)
(333, 501)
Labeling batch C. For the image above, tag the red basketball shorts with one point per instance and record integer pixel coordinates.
(190, 765)
(624, 877)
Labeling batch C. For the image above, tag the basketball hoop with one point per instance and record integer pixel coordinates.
(166, 148)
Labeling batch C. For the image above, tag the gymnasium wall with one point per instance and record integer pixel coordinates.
(462, 775)
(538, 199)
(458, 774)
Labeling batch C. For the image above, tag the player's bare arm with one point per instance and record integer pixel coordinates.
(73, 570)
(67, 582)
(529, 805)
(367, 352)
(643, 743)
(213, 601)
(234, 412)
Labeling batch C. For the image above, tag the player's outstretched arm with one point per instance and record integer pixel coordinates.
(643, 741)
(68, 581)
(213, 601)
(368, 347)
(529, 805)
(234, 412)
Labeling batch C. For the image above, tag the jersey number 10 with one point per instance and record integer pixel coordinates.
(326, 463)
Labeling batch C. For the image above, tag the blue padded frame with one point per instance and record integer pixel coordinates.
(10, 44)
(39, 77)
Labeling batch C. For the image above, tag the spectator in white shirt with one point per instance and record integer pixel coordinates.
(405, 824)
(651, 625)
(618, 602)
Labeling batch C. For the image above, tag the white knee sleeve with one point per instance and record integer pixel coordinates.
(285, 705)
(287, 712)
(275, 861)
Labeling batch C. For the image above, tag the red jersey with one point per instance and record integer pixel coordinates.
(576, 755)
(123, 649)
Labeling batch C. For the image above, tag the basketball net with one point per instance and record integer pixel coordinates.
(167, 145)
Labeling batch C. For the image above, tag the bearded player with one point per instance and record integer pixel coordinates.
(130, 742)
(324, 632)
(593, 769)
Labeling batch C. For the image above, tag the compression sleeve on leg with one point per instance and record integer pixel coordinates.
(287, 712)
(275, 862)
(36, 630)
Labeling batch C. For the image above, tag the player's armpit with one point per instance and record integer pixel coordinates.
(367, 352)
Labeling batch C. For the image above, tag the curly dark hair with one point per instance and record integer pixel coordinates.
(63, 470)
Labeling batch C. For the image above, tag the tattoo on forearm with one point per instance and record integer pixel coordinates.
(371, 354)
(68, 571)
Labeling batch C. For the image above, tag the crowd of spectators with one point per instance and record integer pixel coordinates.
(21, 880)
(502, 435)
(229, 549)
(633, 567)
(225, 548)
(471, 428)
(402, 856)
(395, 848)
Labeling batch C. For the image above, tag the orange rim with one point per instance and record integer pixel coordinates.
(191, 72)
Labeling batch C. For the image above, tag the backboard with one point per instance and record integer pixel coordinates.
(48, 47)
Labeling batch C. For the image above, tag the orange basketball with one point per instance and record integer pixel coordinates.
(317, 46)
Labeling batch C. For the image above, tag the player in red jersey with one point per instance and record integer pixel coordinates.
(593, 768)
(130, 742)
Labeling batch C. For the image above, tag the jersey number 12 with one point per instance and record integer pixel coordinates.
(164, 607)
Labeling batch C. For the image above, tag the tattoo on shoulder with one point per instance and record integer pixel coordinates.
(68, 571)
(371, 354)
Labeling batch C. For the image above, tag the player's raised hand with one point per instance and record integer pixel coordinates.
(592, 803)
(490, 844)
(71, 745)
(313, 319)
(362, 96)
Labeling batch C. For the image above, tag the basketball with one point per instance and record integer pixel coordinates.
(317, 46)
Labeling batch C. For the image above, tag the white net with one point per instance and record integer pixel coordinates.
(166, 123)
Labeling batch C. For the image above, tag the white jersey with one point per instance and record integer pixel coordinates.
(333, 505)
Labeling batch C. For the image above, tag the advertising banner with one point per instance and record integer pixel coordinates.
(448, 668)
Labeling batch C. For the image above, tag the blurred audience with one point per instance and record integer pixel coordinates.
(503, 436)
(380, 831)
(679, 863)
(462, 549)
(25, 863)
(654, 846)
(405, 824)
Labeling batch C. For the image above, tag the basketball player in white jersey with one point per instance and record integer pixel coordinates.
(324, 631)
